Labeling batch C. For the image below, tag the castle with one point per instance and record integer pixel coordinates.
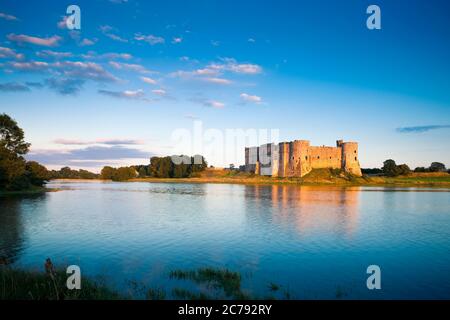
(297, 158)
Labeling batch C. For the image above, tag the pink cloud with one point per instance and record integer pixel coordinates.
(47, 42)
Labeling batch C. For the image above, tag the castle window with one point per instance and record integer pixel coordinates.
(306, 157)
(318, 157)
(330, 157)
(355, 151)
(355, 158)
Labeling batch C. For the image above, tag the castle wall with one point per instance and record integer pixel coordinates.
(283, 166)
(297, 158)
(325, 157)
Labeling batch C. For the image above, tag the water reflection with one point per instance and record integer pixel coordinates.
(310, 209)
(11, 230)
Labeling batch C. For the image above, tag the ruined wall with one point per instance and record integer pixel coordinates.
(325, 157)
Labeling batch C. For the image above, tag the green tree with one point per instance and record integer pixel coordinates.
(108, 173)
(403, 169)
(12, 148)
(142, 172)
(161, 167)
(437, 167)
(124, 173)
(12, 136)
(36, 173)
(390, 168)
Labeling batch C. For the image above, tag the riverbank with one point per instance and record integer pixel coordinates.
(318, 177)
(31, 191)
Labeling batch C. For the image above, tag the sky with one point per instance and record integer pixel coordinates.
(141, 77)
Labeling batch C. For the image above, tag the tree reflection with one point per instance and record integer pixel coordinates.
(12, 227)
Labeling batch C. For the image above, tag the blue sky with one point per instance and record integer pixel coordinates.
(116, 90)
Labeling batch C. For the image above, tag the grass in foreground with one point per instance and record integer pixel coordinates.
(202, 284)
(27, 285)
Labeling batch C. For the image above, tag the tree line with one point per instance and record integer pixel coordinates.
(159, 167)
(391, 169)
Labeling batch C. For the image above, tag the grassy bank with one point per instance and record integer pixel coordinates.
(31, 191)
(317, 177)
(321, 177)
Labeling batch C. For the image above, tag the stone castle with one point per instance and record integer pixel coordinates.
(297, 158)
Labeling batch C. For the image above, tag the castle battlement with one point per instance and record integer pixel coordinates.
(297, 158)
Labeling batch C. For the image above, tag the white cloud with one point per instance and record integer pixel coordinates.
(150, 39)
(230, 64)
(29, 66)
(250, 98)
(159, 92)
(10, 53)
(129, 67)
(8, 17)
(148, 80)
(62, 23)
(177, 40)
(127, 94)
(53, 54)
(215, 104)
(115, 37)
(87, 42)
(111, 33)
(110, 55)
(218, 81)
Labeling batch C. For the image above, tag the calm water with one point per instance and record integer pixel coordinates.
(312, 241)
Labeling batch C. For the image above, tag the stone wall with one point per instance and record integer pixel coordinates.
(297, 158)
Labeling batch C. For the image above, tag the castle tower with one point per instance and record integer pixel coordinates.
(283, 162)
(350, 160)
(299, 160)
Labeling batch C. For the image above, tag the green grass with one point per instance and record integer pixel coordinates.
(26, 285)
(217, 279)
(205, 284)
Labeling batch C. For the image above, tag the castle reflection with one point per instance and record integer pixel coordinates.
(310, 209)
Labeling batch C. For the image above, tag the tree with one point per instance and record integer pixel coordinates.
(12, 136)
(12, 170)
(142, 172)
(161, 167)
(437, 167)
(107, 173)
(390, 168)
(124, 173)
(12, 147)
(403, 169)
(36, 173)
